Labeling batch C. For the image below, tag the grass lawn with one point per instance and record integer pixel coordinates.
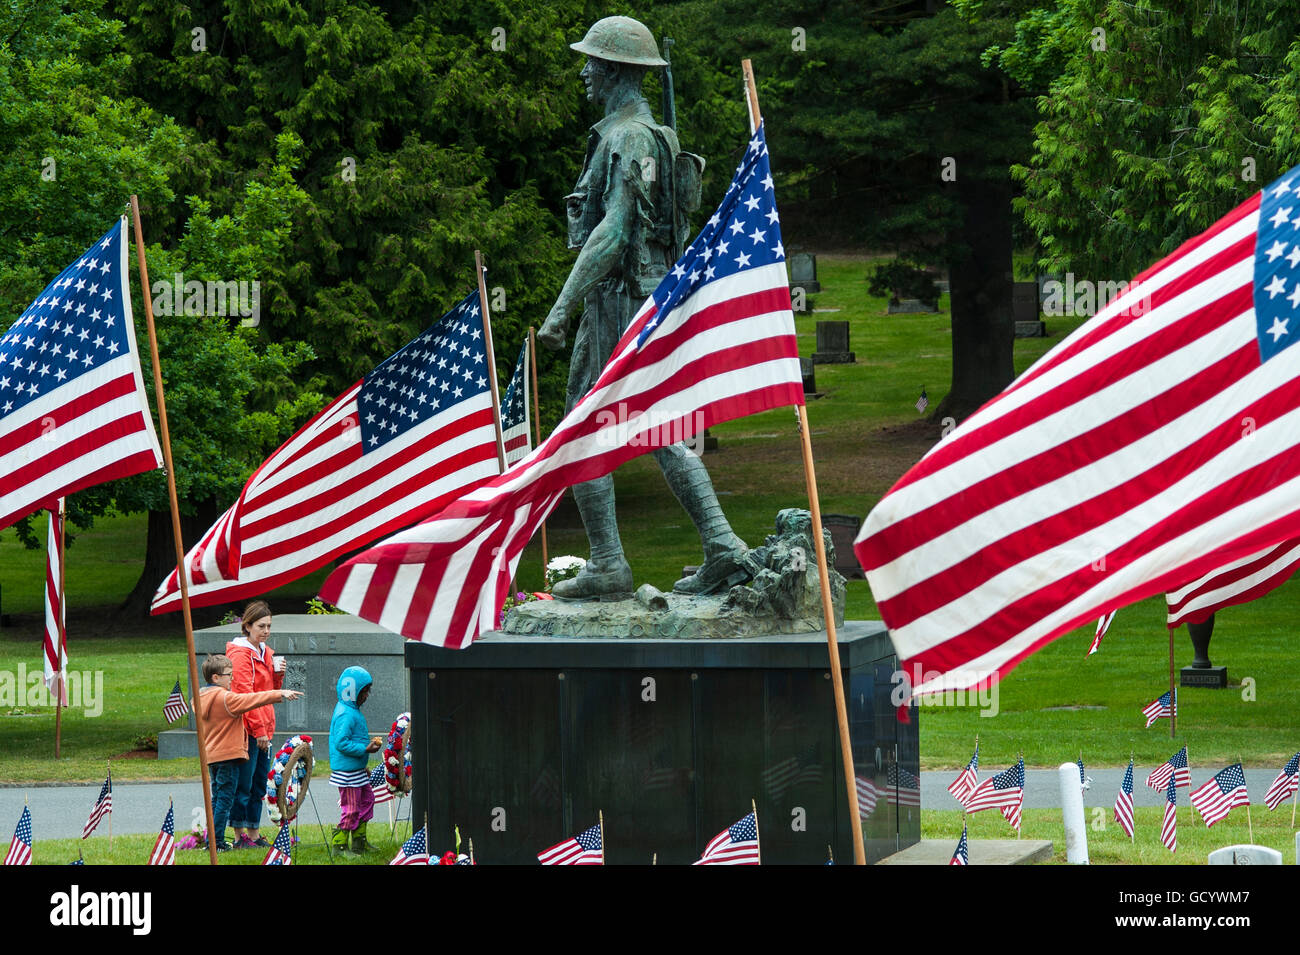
(1108, 844)
(135, 849)
(866, 433)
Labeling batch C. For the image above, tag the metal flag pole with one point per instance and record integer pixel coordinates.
(176, 530)
(491, 360)
(753, 807)
(814, 507)
(537, 430)
(600, 814)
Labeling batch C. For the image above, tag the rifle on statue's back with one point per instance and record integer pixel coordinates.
(669, 103)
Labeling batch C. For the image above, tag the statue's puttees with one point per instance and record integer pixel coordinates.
(628, 217)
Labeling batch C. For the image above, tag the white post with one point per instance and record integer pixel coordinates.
(1076, 834)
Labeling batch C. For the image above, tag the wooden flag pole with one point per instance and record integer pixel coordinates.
(471, 850)
(1295, 796)
(537, 430)
(600, 814)
(1173, 703)
(814, 507)
(61, 614)
(753, 807)
(491, 358)
(176, 531)
(110, 813)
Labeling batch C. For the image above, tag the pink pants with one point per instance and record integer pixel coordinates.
(356, 805)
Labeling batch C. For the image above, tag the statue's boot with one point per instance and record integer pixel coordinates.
(607, 575)
(724, 552)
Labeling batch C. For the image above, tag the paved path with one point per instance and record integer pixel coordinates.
(59, 812)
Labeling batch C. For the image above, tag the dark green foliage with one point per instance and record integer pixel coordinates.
(899, 279)
(1158, 118)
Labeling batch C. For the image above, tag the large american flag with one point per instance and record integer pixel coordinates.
(20, 847)
(1175, 766)
(1243, 580)
(1005, 791)
(1219, 794)
(967, 779)
(1124, 802)
(715, 341)
(1169, 824)
(582, 849)
(164, 847)
(1155, 445)
(735, 845)
(414, 851)
(73, 411)
(393, 449)
(55, 643)
(1285, 785)
(515, 409)
(1161, 708)
(103, 806)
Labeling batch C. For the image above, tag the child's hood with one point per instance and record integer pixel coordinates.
(351, 682)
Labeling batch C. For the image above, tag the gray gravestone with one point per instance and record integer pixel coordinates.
(803, 272)
(1245, 855)
(833, 344)
(844, 531)
(1025, 310)
(809, 372)
(316, 649)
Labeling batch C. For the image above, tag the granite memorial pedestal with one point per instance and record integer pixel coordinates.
(522, 740)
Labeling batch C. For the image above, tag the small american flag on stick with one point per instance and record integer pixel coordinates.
(103, 806)
(1285, 785)
(1175, 766)
(175, 707)
(583, 849)
(1161, 708)
(1220, 794)
(735, 845)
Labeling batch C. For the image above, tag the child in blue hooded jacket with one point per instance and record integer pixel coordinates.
(350, 745)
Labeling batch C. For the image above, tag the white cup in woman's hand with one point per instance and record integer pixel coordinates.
(279, 664)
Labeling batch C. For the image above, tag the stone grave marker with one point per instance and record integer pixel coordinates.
(1245, 855)
(803, 272)
(833, 344)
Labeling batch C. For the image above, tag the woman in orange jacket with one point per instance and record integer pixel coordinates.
(256, 670)
(227, 740)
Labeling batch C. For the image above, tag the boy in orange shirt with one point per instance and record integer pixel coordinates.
(227, 739)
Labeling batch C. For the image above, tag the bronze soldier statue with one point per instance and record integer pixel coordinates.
(628, 219)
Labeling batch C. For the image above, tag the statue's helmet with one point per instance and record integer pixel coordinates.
(621, 40)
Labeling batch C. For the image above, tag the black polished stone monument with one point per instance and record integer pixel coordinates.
(520, 741)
